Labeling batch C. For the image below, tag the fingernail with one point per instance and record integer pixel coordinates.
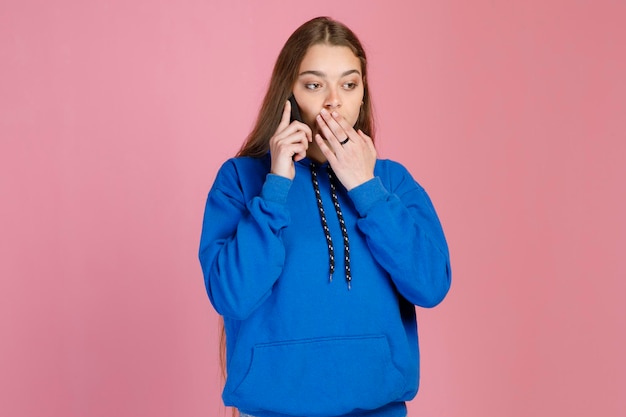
(323, 111)
(335, 114)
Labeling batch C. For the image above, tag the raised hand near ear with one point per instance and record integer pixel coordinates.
(289, 143)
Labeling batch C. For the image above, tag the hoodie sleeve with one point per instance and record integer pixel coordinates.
(241, 251)
(405, 236)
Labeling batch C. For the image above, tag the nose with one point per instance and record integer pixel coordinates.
(333, 101)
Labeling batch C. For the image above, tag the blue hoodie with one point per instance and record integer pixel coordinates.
(299, 343)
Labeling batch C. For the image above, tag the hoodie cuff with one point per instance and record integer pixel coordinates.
(276, 188)
(367, 194)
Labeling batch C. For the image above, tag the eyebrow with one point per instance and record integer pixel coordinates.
(323, 75)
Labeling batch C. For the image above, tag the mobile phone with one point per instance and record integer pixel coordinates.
(295, 111)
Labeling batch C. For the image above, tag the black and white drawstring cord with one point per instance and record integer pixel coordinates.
(342, 224)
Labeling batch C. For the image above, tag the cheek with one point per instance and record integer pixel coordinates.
(353, 105)
(353, 114)
(309, 112)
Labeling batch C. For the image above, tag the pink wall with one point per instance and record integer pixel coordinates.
(115, 115)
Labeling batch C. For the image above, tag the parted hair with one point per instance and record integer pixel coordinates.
(320, 30)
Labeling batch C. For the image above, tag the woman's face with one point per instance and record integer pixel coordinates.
(329, 77)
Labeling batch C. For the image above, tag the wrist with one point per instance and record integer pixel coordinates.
(358, 182)
(368, 194)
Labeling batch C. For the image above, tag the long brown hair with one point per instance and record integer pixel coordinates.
(320, 30)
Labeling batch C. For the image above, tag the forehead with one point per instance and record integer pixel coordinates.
(330, 59)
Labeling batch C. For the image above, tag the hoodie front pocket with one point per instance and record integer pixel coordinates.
(320, 377)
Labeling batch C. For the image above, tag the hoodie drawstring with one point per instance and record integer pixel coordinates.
(342, 224)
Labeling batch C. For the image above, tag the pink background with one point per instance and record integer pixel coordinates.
(116, 114)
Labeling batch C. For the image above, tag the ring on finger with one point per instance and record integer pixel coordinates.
(343, 142)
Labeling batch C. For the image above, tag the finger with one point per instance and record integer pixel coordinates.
(323, 145)
(298, 140)
(338, 125)
(294, 128)
(368, 142)
(285, 140)
(304, 143)
(299, 154)
(284, 120)
(303, 127)
(366, 138)
(345, 126)
(331, 138)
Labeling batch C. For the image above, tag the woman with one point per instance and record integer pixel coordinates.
(315, 252)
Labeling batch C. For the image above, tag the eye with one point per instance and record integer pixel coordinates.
(350, 85)
(312, 86)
